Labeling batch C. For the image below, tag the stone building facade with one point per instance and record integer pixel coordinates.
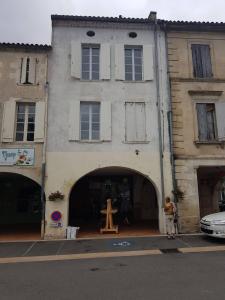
(196, 67)
(107, 120)
(23, 107)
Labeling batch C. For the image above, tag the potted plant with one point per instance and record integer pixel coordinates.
(178, 194)
(56, 196)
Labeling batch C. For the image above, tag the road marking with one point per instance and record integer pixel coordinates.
(28, 249)
(78, 256)
(202, 249)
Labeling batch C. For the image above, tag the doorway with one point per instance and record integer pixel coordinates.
(132, 195)
(211, 188)
(20, 208)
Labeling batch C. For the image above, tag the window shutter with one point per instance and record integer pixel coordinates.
(105, 121)
(105, 61)
(74, 121)
(119, 62)
(150, 116)
(76, 59)
(9, 114)
(140, 122)
(220, 117)
(202, 121)
(32, 70)
(23, 70)
(130, 122)
(148, 62)
(39, 131)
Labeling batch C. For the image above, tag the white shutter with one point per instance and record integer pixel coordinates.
(220, 117)
(32, 70)
(140, 122)
(23, 70)
(119, 62)
(39, 131)
(148, 62)
(106, 121)
(8, 124)
(148, 113)
(74, 121)
(76, 59)
(130, 121)
(105, 61)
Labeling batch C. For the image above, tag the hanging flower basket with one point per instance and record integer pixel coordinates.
(56, 196)
(178, 194)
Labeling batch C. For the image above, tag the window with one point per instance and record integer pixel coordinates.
(28, 70)
(89, 121)
(25, 122)
(133, 63)
(90, 62)
(201, 57)
(206, 121)
(135, 122)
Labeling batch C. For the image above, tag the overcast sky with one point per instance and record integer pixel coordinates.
(29, 21)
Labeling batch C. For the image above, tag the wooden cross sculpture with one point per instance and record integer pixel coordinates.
(109, 211)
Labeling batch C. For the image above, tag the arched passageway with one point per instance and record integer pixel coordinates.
(20, 207)
(132, 194)
(211, 189)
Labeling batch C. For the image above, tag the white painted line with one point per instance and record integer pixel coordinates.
(29, 248)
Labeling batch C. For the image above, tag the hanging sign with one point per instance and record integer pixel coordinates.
(17, 156)
(56, 216)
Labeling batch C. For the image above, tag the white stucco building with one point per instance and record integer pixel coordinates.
(107, 121)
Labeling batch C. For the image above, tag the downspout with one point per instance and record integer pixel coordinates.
(159, 112)
(43, 167)
(170, 124)
(170, 119)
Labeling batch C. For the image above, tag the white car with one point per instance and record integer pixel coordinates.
(214, 225)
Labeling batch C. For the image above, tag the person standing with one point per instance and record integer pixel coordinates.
(125, 201)
(170, 210)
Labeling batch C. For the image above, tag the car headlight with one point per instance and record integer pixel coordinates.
(218, 222)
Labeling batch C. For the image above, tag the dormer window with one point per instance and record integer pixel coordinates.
(28, 70)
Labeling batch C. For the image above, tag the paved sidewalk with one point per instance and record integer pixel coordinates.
(108, 245)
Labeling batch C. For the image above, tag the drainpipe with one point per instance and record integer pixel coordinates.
(43, 167)
(170, 119)
(159, 110)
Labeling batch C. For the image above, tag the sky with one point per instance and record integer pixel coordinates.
(28, 21)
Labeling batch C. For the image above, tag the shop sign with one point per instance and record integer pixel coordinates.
(17, 156)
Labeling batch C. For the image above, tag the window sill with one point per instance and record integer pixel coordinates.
(94, 80)
(215, 142)
(28, 84)
(136, 142)
(90, 141)
(24, 143)
(135, 81)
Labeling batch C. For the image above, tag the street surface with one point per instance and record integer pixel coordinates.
(168, 275)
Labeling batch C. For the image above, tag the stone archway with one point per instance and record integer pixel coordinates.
(210, 188)
(88, 196)
(20, 207)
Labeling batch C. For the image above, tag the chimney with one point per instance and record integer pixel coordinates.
(152, 16)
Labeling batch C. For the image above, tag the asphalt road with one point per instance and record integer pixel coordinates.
(167, 276)
(40, 248)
